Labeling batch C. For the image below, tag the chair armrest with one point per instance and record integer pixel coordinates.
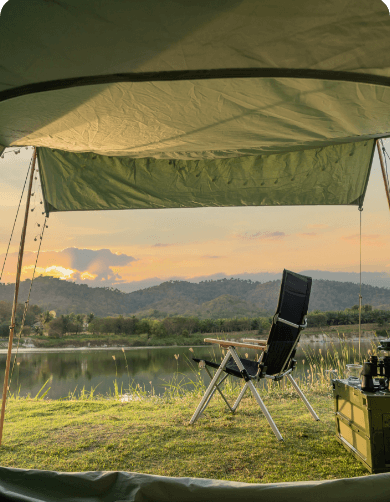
(227, 343)
(253, 340)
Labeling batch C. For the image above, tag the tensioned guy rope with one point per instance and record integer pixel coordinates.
(15, 302)
(26, 304)
(16, 217)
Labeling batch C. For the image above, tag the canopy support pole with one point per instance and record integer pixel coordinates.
(383, 172)
(15, 302)
(360, 290)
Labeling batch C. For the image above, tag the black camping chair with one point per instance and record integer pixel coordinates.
(277, 358)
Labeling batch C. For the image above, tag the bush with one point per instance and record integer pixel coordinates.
(4, 329)
(94, 326)
(158, 329)
(317, 320)
(56, 328)
(38, 330)
(207, 326)
(26, 331)
(237, 324)
(264, 325)
(143, 327)
(62, 325)
(175, 325)
(118, 325)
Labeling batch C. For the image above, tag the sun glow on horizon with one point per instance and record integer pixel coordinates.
(60, 272)
(87, 276)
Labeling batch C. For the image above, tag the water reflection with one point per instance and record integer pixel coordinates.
(148, 368)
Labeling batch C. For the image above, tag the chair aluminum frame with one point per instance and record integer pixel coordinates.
(215, 386)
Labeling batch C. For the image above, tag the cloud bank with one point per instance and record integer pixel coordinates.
(82, 265)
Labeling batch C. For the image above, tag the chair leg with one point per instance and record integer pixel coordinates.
(257, 396)
(216, 387)
(302, 396)
(219, 390)
(265, 411)
(240, 396)
(210, 389)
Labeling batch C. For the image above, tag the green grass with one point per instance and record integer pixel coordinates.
(153, 436)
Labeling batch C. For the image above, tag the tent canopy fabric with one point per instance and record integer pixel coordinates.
(214, 86)
(182, 79)
(45, 486)
(178, 103)
(332, 175)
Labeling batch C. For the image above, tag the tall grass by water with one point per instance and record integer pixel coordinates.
(312, 374)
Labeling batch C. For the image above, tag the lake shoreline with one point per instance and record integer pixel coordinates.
(93, 349)
(86, 342)
(308, 340)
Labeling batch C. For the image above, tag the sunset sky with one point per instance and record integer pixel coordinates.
(114, 247)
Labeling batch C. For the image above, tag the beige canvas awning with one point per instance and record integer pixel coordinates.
(188, 104)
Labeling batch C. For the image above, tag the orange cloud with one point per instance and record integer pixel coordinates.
(73, 264)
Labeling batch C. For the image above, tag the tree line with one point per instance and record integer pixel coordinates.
(181, 325)
(173, 325)
(348, 316)
(47, 323)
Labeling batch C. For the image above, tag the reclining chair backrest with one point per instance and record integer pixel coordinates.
(283, 338)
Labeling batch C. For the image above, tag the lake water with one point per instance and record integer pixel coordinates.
(71, 371)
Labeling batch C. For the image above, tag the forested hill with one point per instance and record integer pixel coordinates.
(212, 299)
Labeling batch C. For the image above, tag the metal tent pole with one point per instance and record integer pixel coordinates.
(383, 172)
(360, 290)
(15, 302)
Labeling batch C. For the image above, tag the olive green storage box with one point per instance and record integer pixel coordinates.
(363, 424)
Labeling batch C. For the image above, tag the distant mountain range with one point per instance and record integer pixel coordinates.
(208, 299)
(378, 279)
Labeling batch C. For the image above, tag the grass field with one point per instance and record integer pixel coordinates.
(152, 435)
